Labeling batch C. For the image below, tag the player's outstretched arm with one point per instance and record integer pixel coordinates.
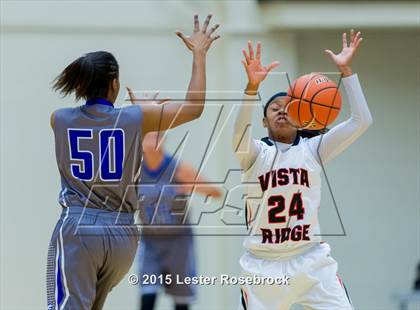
(161, 117)
(341, 136)
(256, 73)
(185, 173)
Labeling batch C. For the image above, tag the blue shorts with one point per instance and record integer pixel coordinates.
(168, 255)
(89, 253)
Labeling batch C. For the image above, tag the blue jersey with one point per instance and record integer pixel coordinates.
(98, 150)
(163, 209)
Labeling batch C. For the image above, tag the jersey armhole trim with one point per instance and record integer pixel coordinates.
(162, 167)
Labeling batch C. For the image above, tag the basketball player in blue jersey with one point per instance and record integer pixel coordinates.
(98, 151)
(167, 245)
(284, 234)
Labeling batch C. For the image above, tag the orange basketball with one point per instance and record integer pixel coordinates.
(315, 101)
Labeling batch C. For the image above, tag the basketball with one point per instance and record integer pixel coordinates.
(315, 101)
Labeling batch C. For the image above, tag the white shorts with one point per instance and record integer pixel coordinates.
(312, 277)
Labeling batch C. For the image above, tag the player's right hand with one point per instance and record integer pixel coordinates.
(255, 71)
(201, 39)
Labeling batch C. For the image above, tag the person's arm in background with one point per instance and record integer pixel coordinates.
(153, 151)
(336, 140)
(153, 155)
(158, 117)
(185, 173)
(256, 73)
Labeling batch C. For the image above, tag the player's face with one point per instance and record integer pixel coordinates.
(277, 121)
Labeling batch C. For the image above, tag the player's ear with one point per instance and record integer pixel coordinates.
(115, 85)
(265, 122)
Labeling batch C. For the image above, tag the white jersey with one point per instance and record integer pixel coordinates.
(283, 200)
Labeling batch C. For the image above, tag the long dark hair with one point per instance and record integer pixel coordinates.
(88, 76)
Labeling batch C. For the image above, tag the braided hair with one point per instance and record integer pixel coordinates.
(89, 76)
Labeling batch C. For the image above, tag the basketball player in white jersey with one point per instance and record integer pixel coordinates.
(284, 234)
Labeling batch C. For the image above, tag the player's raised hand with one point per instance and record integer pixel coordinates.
(146, 98)
(344, 58)
(255, 71)
(202, 37)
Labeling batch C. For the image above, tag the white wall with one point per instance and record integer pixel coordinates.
(35, 47)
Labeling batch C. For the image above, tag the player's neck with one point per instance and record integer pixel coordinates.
(288, 139)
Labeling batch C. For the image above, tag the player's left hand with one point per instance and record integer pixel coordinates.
(201, 38)
(146, 98)
(344, 58)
